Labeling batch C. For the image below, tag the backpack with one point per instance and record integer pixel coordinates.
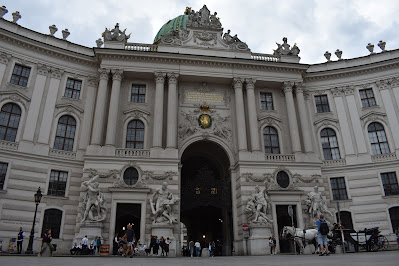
(324, 228)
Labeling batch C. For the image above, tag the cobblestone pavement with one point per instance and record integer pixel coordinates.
(378, 258)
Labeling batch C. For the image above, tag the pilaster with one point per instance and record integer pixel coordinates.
(303, 116)
(171, 141)
(117, 76)
(252, 115)
(293, 124)
(158, 109)
(240, 115)
(92, 84)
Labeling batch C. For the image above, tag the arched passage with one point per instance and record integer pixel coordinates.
(206, 205)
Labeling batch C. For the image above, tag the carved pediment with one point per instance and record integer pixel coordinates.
(373, 116)
(326, 121)
(70, 107)
(269, 120)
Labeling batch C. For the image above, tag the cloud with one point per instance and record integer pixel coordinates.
(316, 26)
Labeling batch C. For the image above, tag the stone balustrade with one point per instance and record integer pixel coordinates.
(8, 145)
(62, 154)
(280, 157)
(132, 153)
(265, 57)
(334, 163)
(383, 157)
(141, 47)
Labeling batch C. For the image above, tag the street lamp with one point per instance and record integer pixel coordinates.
(38, 197)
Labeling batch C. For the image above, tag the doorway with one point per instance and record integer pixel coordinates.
(128, 213)
(284, 219)
(206, 196)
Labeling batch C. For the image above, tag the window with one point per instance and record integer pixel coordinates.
(283, 180)
(138, 94)
(338, 188)
(135, 135)
(378, 139)
(367, 97)
(20, 75)
(390, 183)
(72, 89)
(394, 215)
(266, 101)
(270, 137)
(130, 176)
(330, 144)
(52, 220)
(346, 219)
(65, 133)
(9, 121)
(322, 104)
(57, 185)
(3, 172)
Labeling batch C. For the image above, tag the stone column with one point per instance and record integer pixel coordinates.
(99, 114)
(117, 75)
(252, 115)
(36, 101)
(49, 106)
(171, 141)
(89, 111)
(240, 115)
(303, 116)
(158, 109)
(293, 124)
(4, 58)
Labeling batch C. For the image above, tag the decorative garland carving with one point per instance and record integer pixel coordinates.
(250, 176)
(167, 175)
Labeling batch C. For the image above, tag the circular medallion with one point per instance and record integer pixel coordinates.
(283, 180)
(205, 121)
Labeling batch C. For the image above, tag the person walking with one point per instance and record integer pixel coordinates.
(191, 247)
(98, 244)
(115, 245)
(85, 245)
(272, 245)
(167, 243)
(94, 245)
(197, 248)
(129, 238)
(47, 243)
(162, 244)
(323, 230)
(20, 239)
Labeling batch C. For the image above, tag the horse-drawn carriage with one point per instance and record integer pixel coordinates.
(369, 239)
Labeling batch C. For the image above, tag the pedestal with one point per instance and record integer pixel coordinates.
(91, 230)
(258, 242)
(165, 230)
(205, 253)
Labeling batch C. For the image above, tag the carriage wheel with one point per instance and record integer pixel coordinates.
(374, 244)
(383, 242)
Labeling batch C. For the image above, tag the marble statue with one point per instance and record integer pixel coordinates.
(115, 34)
(284, 49)
(230, 39)
(203, 18)
(316, 203)
(257, 207)
(94, 202)
(161, 205)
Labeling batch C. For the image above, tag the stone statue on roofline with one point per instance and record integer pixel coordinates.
(202, 19)
(115, 34)
(284, 49)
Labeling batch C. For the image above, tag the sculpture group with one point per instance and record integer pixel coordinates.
(93, 202)
(161, 205)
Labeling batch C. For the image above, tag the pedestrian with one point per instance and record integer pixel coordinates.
(129, 239)
(21, 235)
(167, 243)
(85, 245)
(98, 244)
(162, 244)
(115, 245)
(153, 243)
(47, 243)
(197, 248)
(323, 230)
(191, 247)
(94, 245)
(272, 245)
(213, 247)
(156, 247)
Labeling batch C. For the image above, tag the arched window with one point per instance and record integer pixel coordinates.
(135, 135)
(130, 176)
(330, 144)
(270, 137)
(394, 214)
(9, 120)
(65, 134)
(378, 138)
(346, 219)
(52, 220)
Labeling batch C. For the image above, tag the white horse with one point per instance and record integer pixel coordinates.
(309, 235)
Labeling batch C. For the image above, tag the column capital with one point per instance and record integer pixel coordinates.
(250, 83)
(104, 72)
(287, 86)
(4, 58)
(159, 76)
(56, 73)
(42, 69)
(382, 84)
(173, 77)
(92, 81)
(117, 74)
(237, 83)
(299, 87)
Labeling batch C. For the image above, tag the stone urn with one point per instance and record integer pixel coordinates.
(370, 47)
(53, 29)
(65, 34)
(16, 16)
(327, 55)
(338, 53)
(3, 11)
(99, 42)
(382, 44)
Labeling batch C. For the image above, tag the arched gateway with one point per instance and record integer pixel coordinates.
(206, 203)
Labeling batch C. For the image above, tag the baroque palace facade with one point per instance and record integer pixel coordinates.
(194, 129)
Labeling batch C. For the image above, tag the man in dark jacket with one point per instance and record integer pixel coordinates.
(21, 235)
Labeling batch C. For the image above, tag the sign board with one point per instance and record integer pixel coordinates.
(11, 244)
(290, 211)
(245, 234)
(104, 250)
(245, 227)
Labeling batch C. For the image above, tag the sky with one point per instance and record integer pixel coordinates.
(316, 26)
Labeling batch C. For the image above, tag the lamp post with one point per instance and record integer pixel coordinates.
(38, 197)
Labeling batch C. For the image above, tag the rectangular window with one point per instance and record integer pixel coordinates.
(57, 185)
(20, 75)
(322, 104)
(3, 172)
(338, 188)
(72, 89)
(138, 93)
(367, 97)
(390, 183)
(266, 101)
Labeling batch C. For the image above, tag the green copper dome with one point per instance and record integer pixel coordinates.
(175, 24)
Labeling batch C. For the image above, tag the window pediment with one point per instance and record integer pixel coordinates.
(70, 107)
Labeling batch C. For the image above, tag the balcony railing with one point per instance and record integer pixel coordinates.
(334, 163)
(383, 157)
(280, 157)
(132, 153)
(141, 47)
(265, 57)
(8, 145)
(62, 154)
